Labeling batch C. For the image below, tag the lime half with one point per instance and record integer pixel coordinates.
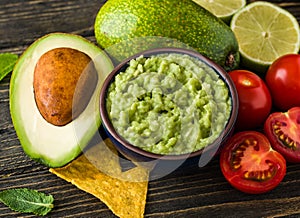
(265, 32)
(223, 9)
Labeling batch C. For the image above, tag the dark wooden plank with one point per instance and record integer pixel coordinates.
(189, 191)
(21, 22)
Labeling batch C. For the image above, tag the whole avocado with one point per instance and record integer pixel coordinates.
(158, 21)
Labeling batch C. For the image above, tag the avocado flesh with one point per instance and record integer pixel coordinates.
(53, 145)
(121, 20)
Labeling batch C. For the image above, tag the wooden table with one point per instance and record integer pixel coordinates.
(189, 191)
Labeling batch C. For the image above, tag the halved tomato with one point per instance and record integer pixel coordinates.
(249, 163)
(283, 131)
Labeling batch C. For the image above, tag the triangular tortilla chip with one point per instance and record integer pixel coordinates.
(113, 187)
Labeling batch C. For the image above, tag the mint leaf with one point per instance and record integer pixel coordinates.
(27, 201)
(7, 63)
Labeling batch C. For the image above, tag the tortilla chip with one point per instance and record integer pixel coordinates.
(118, 190)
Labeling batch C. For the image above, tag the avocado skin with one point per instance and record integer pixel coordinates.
(118, 21)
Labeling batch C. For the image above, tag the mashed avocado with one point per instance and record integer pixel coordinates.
(169, 104)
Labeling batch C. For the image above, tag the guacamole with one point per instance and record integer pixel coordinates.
(168, 104)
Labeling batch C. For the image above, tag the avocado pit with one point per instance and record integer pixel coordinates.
(64, 81)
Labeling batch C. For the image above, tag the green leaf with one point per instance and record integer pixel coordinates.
(27, 201)
(7, 63)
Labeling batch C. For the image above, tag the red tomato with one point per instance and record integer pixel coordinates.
(283, 131)
(283, 80)
(250, 164)
(254, 99)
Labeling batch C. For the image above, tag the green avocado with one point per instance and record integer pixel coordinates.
(42, 141)
(143, 24)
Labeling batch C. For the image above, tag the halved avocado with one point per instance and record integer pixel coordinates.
(54, 145)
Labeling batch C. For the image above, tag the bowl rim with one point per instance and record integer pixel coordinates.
(107, 124)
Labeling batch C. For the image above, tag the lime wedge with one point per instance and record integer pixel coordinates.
(223, 9)
(264, 32)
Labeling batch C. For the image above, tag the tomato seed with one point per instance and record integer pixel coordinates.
(259, 175)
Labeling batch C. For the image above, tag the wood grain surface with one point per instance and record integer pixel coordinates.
(189, 191)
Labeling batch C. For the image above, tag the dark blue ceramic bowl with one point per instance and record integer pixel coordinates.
(136, 154)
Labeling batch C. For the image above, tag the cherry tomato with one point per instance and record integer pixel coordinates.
(283, 132)
(282, 78)
(254, 99)
(249, 163)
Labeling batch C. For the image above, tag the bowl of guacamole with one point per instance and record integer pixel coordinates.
(167, 103)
